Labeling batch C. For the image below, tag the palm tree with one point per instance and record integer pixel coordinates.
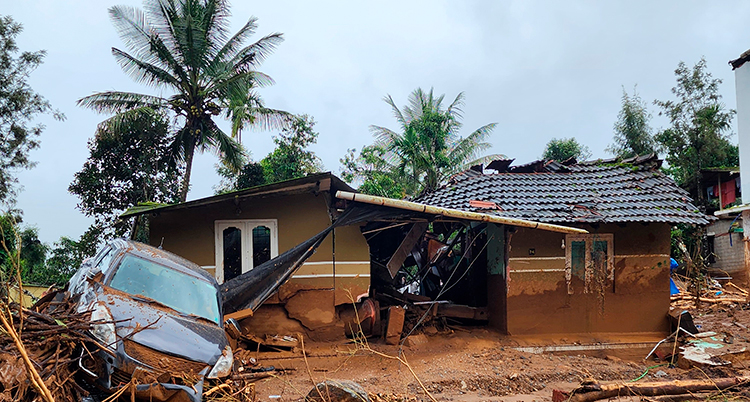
(184, 46)
(429, 148)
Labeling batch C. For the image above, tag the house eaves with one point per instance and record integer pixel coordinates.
(308, 184)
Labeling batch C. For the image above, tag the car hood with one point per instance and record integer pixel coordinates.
(161, 329)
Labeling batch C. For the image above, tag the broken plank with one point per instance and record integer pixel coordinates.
(239, 315)
(395, 326)
(407, 245)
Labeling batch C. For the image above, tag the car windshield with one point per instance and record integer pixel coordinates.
(184, 293)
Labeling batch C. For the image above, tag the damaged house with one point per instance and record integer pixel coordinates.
(541, 248)
(230, 234)
(724, 248)
(292, 256)
(615, 279)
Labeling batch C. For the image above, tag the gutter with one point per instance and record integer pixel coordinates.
(454, 213)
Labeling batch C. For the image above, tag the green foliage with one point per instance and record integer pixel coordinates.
(19, 105)
(378, 178)
(698, 136)
(126, 167)
(67, 255)
(186, 48)
(21, 245)
(632, 132)
(251, 175)
(426, 152)
(564, 149)
(291, 158)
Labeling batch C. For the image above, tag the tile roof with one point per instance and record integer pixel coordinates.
(590, 192)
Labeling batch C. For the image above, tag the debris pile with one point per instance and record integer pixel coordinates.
(44, 350)
(697, 290)
(53, 339)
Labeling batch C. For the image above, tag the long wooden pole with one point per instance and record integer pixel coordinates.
(454, 213)
(678, 387)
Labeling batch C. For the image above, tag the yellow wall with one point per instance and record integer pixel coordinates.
(190, 234)
(538, 299)
(36, 291)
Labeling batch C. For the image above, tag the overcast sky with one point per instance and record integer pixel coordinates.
(541, 70)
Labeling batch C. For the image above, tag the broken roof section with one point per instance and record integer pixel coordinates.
(601, 191)
(738, 62)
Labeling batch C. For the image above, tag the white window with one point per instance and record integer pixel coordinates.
(242, 245)
(589, 263)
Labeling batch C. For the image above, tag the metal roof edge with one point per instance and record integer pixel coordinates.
(273, 188)
(734, 210)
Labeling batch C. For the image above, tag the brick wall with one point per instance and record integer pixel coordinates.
(729, 259)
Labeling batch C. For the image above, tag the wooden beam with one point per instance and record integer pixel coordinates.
(407, 245)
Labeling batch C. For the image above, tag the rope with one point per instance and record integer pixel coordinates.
(646, 372)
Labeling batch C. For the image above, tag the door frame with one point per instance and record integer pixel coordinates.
(246, 227)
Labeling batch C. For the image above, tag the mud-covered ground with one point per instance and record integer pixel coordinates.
(481, 365)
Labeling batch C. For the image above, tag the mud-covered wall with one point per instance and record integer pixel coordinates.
(635, 301)
(190, 234)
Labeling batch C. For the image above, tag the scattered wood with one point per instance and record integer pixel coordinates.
(251, 377)
(728, 299)
(595, 391)
(46, 343)
(743, 291)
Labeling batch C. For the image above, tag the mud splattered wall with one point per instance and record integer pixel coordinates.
(610, 284)
(190, 233)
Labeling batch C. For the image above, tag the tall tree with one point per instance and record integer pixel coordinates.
(249, 175)
(127, 166)
(291, 158)
(67, 255)
(632, 132)
(699, 131)
(429, 148)
(19, 106)
(377, 176)
(186, 48)
(21, 244)
(564, 149)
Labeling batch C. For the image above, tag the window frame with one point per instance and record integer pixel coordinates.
(588, 240)
(246, 226)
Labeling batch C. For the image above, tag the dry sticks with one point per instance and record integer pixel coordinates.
(46, 345)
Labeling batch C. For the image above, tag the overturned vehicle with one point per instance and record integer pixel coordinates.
(156, 323)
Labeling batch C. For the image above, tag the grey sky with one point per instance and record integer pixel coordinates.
(538, 69)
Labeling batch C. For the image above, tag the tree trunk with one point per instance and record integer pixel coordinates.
(677, 387)
(188, 169)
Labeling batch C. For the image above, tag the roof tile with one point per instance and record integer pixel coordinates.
(594, 193)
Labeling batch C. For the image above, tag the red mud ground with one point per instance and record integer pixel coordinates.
(478, 366)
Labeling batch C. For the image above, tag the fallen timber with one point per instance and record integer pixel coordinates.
(595, 391)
